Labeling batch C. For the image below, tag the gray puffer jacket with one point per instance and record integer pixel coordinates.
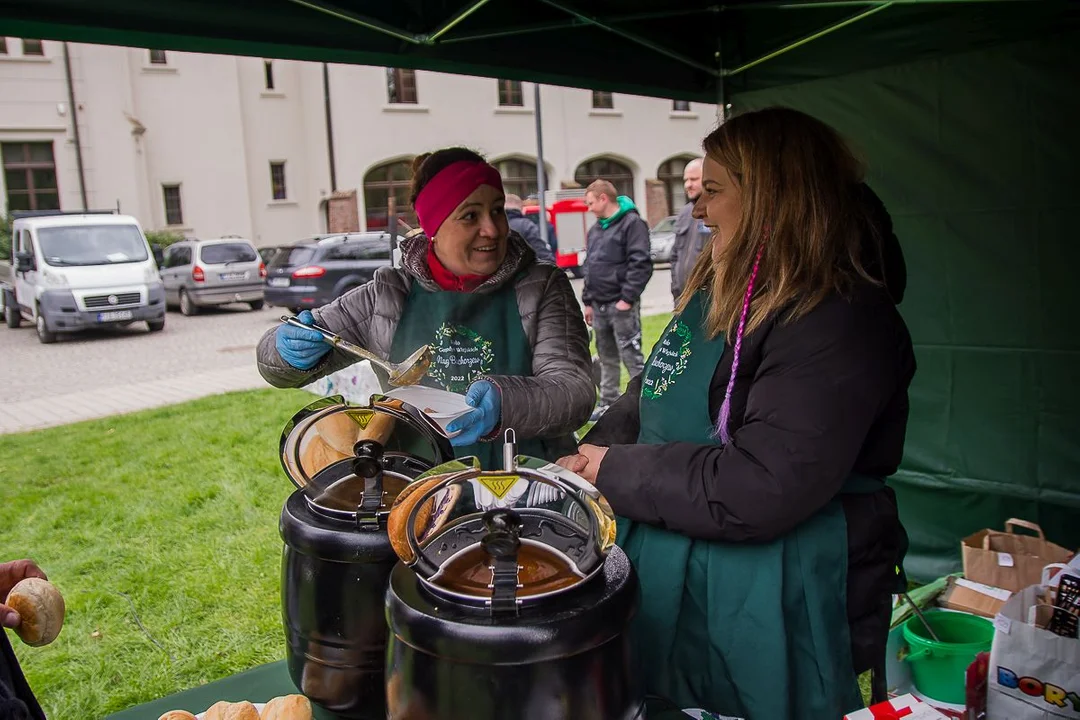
(551, 403)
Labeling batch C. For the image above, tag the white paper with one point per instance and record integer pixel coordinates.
(1002, 624)
(1005, 560)
(989, 590)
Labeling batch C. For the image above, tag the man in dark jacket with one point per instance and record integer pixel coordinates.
(691, 235)
(527, 229)
(617, 269)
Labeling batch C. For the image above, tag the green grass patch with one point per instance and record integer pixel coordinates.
(174, 510)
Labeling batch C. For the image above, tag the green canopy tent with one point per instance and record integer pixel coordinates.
(962, 108)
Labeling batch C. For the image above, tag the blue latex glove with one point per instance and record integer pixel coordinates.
(485, 397)
(301, 348)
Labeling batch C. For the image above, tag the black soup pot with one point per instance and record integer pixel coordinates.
(511, 600)
(349, 463)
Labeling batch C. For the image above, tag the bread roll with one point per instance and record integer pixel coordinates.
(225, 710)
(287, 707)
(177, 715)
(41, 607)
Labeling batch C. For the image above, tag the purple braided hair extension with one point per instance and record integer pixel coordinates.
(725, 408)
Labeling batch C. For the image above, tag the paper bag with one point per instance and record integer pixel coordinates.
(972, 597)
(1034, 674)
(1008, 560)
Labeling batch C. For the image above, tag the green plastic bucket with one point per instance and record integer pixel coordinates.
(939, 669)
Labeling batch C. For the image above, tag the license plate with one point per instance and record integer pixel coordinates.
(233, 276)
(115, 316)
(278, 282)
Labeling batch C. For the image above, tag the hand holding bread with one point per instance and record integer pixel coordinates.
(30, 604)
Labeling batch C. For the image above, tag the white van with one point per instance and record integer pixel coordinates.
(74, 271)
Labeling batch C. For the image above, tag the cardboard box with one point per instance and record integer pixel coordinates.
(972, 597)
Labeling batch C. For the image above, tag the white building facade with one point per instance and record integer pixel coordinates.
(212, 145)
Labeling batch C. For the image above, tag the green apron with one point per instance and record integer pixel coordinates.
(756, 631)
(472, 336)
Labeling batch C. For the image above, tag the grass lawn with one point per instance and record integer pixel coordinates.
(160, 529)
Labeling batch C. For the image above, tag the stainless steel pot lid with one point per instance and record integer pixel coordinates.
(353, 460)
(501, 538)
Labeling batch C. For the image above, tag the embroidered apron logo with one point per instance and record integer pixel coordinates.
(461, 357)
(668, 361)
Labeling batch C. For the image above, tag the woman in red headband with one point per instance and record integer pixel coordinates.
(507, 331)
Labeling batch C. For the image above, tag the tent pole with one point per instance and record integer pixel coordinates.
(629, 36)
(360, 20)
(449, 24)
(541, 184)
(576, 23)
(809, 38)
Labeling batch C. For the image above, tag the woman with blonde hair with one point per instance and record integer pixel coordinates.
(748, 461)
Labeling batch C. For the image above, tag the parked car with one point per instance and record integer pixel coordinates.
(74, 271)
(315, 272)
(202, 273)
(662, 239)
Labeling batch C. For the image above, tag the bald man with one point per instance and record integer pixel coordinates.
(691, 236)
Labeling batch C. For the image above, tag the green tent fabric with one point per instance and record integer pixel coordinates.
(976, 156)
(677, 49)
(963, 109)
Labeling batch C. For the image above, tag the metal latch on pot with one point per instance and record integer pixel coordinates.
(501, 543)
(368, 465)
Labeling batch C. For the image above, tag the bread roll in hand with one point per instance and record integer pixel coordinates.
(287, 707)
(41, 610)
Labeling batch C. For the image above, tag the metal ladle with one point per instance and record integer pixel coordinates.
(407, 372)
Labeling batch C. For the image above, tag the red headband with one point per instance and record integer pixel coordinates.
(450, 186)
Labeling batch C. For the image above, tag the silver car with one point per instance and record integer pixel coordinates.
(201, 273)
(662, 239)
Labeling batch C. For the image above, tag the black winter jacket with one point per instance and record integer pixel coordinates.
(17, 702)
(814, 401)
(617, 262)
(529, 230)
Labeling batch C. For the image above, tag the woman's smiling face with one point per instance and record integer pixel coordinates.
(720, 203)
(472, 241)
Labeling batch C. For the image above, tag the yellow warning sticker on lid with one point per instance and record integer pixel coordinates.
(363, 417)
(499, 485)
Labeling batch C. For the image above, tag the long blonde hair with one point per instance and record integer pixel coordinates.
(801, 209)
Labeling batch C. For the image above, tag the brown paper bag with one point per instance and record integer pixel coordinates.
(1008, 560)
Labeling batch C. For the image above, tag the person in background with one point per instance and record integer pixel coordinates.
(506, 331)
(748, 462)
(617, 269)
(553, 241)
(528, 230)
(17, 701)
(691, 235)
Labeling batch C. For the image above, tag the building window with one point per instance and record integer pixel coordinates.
(268, 72)
(671, 174)
(510, 93)
(680, 105)
(3, 46)
(157, 57)
(379, 184)
(518, 176)
(615, 172)
(602, 100)
(33, 48)
(401, 86)
(174, 211)
(277, 180)
(30, 176)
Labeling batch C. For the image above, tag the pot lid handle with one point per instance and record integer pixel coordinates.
(502, 543)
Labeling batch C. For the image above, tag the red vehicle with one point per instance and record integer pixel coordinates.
(572, 220)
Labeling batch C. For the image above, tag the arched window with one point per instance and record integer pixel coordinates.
(605, 168)
(382, 181)
(671, 174)
(518, 176)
